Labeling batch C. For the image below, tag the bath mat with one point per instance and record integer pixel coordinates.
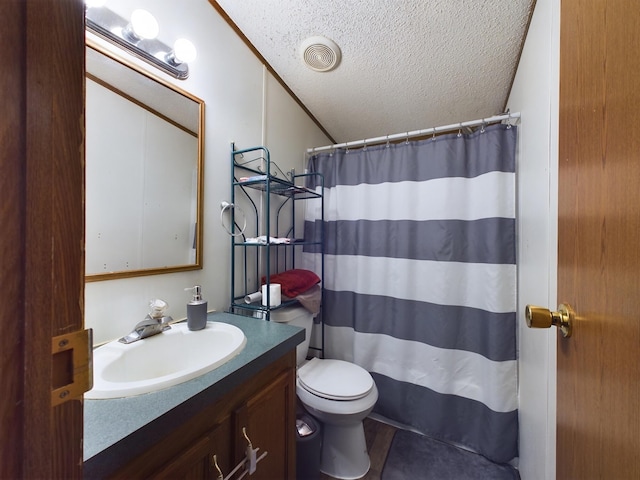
(414, 456)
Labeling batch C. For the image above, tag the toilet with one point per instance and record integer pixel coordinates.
(337, 393)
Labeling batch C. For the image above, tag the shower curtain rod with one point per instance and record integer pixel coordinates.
(418, 133)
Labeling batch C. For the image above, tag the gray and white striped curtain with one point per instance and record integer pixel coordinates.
(420, 280)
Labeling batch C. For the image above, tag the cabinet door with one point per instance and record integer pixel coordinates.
(197, 461)
(268, 418)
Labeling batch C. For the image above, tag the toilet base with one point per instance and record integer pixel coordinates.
(344, 451)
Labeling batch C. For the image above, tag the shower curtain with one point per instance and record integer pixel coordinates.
(420, 280)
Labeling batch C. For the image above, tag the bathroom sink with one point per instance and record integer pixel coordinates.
(163, 360)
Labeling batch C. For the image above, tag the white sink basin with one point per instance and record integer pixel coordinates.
(163, 360)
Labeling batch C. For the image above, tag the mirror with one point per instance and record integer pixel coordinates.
(144, 172)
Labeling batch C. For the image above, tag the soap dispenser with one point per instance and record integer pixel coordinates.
(196, 310)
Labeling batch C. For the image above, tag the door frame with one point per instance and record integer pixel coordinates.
(42, 198)
(535, 95)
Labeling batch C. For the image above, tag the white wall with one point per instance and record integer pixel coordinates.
(235, 87)
(535, 96)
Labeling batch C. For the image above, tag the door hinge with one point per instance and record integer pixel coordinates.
(72, 365)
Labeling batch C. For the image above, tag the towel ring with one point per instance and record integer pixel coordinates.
(228, 206)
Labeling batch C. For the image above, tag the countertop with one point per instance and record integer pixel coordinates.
(115, 429)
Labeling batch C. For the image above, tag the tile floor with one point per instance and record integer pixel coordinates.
(379, 436)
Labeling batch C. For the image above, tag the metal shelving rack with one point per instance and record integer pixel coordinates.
(256, 180)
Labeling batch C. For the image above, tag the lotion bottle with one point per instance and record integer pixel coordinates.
(196, 310)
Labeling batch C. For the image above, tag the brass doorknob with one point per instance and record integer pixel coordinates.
(539, 317)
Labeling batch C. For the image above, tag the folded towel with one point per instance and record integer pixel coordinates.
(262, 239)
(294, 282)
(311, 300)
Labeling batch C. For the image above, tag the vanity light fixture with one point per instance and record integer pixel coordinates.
(143, 26)
(137, 37)
(183, 52)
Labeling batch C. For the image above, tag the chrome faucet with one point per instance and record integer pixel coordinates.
(146, 328)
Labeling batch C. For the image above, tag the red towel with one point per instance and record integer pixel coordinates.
(294, 282)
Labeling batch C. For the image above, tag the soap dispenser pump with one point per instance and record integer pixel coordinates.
(196, 310)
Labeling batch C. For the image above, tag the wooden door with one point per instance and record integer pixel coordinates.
(42, 240)
(598, 410)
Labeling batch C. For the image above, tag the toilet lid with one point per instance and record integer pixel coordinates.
(335, 379)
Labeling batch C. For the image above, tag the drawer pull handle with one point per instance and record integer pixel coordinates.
(214, 462)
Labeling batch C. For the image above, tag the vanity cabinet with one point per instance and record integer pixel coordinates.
(200, 460)
(266, 417)
(263, 408)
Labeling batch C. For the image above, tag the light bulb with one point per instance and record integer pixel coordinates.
(184, 51)
(144, 24)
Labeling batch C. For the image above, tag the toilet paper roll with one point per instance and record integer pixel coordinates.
(253, 297)
(274, 295)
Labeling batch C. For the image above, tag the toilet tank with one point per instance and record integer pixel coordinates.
(299, 317)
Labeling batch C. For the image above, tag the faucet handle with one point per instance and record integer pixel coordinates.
(147, 327)
(165, 322)
(147, 322)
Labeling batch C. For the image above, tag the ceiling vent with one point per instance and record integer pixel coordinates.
(320, 54)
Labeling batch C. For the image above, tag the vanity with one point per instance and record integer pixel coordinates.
(202, 428)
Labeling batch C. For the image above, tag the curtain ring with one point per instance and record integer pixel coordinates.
(508, 119)
(387, 141)
(364, 145)
(407, 140)
(460, 130)
(482, 127)
(433, 137)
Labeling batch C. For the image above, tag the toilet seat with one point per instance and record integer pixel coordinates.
(335, 379)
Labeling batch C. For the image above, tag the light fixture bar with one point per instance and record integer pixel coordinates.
(109, 26)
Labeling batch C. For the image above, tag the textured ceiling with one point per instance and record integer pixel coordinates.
(406, 64)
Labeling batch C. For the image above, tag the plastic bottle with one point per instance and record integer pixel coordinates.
(196, 310)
